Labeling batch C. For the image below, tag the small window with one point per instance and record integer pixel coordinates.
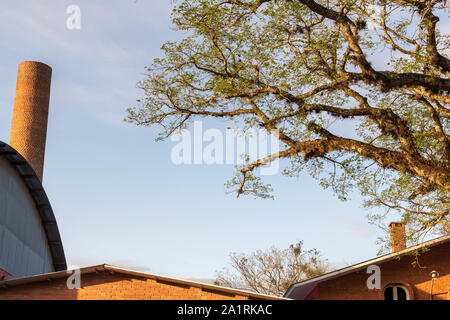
(396, 292)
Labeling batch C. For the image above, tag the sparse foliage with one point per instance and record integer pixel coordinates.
(272, 271)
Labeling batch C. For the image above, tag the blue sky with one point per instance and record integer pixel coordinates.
(117, 197)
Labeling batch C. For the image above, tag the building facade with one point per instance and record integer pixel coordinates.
(421, 272)
(104, 282)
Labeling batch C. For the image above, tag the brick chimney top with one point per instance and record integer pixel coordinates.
(29, 124)
(398, 236)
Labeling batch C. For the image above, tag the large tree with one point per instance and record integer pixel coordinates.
(304, 70)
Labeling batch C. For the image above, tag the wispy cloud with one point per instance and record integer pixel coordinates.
(96, 67)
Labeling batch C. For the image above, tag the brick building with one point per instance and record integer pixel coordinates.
(405, 274)
(104, 282)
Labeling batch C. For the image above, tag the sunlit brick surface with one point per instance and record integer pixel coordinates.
(114, 286)
(414, 276)
(29, 124)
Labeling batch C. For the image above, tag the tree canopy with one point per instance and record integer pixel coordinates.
(357, 92)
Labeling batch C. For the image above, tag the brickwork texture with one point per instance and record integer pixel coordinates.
(410, 271)
(29, 124)
(106, 285)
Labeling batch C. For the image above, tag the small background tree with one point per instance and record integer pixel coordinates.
(272, 271)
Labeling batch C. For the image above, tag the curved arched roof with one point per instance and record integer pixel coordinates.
(41, 201)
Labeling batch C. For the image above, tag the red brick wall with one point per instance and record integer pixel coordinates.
(107, 286)
(416, 278)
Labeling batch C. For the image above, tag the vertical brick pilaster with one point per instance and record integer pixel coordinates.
(29, 124)
(398, 236)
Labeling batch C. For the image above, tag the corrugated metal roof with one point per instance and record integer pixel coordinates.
(41, 201)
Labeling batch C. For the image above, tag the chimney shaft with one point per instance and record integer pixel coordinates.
(398, 236)
(29, 124)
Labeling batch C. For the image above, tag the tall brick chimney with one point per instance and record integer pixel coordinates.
(398, 236)
(29, 123)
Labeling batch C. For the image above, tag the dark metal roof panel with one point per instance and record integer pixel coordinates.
(41, 201)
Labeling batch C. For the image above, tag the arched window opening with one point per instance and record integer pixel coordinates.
(396, 292)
